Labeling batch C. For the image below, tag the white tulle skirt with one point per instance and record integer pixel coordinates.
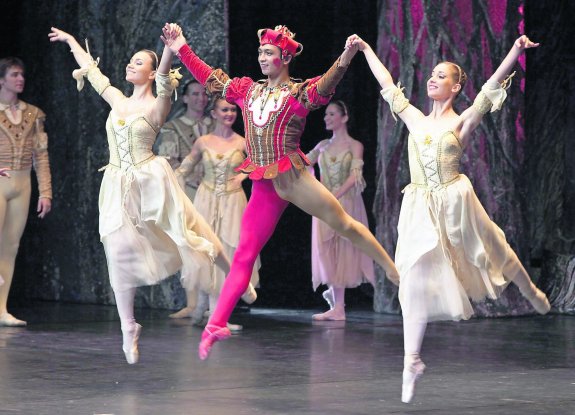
(448, 251)
(150, 229)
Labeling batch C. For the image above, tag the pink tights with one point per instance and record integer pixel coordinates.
(259, 221)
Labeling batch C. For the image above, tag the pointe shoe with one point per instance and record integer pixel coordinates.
(130, 346)
(212, 334)
(8, 320)
(234, 328)
(250, 295)
(185, 312)
(331, 315)
(328, 297)
(411, 375)
(539, 301)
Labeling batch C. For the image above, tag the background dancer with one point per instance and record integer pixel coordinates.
(335, 261)
(220, 198)
(23, 144)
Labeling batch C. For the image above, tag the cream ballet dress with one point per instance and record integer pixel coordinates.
(448, 248)
(148, 226)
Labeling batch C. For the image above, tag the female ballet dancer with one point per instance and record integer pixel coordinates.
(220, 198)
(274, 117)
(448, 248)
(148, 226)
(335, 261)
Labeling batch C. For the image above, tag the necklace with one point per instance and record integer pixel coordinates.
(14, 107)
(264, 94)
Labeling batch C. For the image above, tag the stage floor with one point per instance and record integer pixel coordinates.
(69, 361)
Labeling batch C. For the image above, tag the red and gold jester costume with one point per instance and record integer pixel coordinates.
(274, 119)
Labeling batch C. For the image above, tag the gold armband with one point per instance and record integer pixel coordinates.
(168, 83)
(492, 95)
(394, 96)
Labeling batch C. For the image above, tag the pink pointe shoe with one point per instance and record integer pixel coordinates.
(130, 346)
(539, 301)
(211, 335)
(411, 375)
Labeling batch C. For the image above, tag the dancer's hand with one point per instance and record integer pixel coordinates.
(347, 55)
(4, 172)
(57, 35)
(524, 42)
(44, 206)
(355, 40)
(173, 37)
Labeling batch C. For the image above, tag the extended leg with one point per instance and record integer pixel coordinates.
(515, 271)
(311, 196)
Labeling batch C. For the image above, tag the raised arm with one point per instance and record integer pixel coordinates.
(392, 94)
(493, 93)
(88, 67)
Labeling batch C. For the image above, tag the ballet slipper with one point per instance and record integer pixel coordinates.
(185, 312)
(411, 374)
(8, 320)
(211, 335)
(538, 300)
(328, 297)
(331, 315)
(250, 295)
(130, 346)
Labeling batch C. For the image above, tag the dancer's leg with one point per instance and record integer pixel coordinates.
(13, 216)
(311, 196)
(260, 218)
(130, 329)
(514, 270)
(413, 367)
(338, 311)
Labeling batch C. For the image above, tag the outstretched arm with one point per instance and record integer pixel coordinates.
(191, 160)
(84, 60)
(493, 92)
(392, 94)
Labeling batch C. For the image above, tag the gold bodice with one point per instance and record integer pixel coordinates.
(335, 169)
(434, 159)
(219, 169)
(130, 140)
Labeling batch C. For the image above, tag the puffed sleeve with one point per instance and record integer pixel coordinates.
(40, 157)
(216, 81)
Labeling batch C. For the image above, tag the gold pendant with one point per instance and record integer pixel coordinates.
(121, 122)
(219, 156)
(427, 140)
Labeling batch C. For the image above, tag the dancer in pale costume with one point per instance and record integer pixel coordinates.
(336, 262)
(274, 113)
(220, 198)
(448, 249)
(23, 145)
(148, 227)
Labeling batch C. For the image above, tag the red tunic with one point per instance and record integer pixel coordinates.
(274, 118)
